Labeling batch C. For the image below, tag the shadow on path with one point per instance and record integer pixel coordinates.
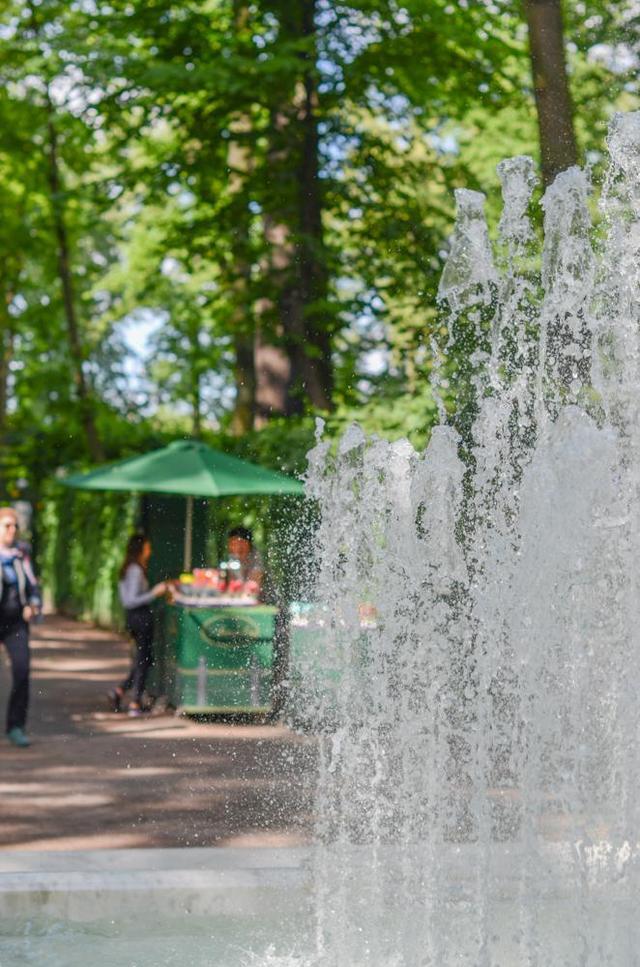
(93, 779)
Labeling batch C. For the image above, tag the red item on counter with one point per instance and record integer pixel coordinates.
(205, 577)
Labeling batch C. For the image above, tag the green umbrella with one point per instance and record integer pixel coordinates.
(190, 469)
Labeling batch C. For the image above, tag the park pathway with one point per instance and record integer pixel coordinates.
(94, 780)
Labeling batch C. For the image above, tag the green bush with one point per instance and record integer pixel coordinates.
(81, 546)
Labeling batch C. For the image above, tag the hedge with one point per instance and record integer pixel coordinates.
(80, 537)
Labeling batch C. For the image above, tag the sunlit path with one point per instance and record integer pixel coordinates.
(93, 779)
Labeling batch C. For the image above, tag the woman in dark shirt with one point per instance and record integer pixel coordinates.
(19, 603)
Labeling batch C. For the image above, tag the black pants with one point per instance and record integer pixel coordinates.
(15, 636)
(140, 624)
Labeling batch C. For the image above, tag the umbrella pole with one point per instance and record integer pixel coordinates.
(188, 536)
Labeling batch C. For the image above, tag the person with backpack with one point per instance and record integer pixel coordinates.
(19, 602)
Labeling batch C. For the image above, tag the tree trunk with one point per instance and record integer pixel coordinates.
(6, 355)
(240, 164)
(294, 367)
(244, 408)
(83, 394)
(553, 97)
(273, 371)
(7, 335)
(314, 363)
(272, 353)
(242, 316)
(194, 383)
(196, 408)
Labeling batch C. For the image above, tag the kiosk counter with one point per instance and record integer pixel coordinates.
(218, 656)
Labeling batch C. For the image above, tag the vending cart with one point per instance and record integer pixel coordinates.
(221, 658)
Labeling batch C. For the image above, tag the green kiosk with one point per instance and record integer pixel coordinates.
(213, 653)
(223, 658)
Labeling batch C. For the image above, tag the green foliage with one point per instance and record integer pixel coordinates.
(81, 538)
(146, 100)
(208, 151)
(280, 445)
(277, 522)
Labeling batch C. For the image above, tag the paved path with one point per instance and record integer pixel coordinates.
(95, 780)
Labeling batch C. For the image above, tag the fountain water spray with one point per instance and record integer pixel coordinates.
(478, 798)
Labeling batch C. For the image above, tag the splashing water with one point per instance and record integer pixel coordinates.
(479, 798)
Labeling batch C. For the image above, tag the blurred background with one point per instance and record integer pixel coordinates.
(222, 218)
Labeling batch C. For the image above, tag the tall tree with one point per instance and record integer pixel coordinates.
(242, 319)
(12, 253)
(558, 146)
(306, 154)
(53, 149)
(7, 337)
(65, 273)
(159, 280)
(297, 257)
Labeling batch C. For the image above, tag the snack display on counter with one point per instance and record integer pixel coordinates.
(211, 586)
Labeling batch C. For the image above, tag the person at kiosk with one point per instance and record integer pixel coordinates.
(244, 560)
(136, 597)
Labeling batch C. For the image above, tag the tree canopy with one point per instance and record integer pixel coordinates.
(224, 217)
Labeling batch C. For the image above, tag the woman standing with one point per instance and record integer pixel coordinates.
(136, 598)
(19, 603)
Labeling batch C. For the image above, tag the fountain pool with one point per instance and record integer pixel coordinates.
(254, 908)
(152, 908)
